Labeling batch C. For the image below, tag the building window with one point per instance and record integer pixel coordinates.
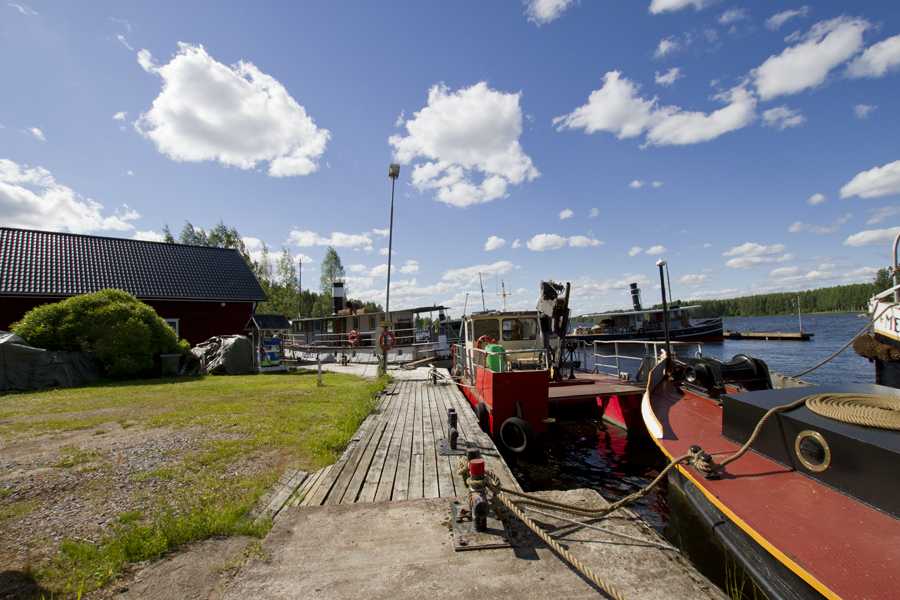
(173, 323)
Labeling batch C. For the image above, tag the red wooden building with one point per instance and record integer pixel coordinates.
(202, 292)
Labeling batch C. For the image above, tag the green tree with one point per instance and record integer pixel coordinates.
(121, 332)
(883, 280)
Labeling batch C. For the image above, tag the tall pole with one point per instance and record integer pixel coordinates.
(387, 301)
(300, 285)
(662, 284)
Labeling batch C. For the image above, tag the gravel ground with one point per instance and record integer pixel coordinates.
(74, 485)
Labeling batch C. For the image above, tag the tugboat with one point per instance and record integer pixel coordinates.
(803, 492)
(516, 367)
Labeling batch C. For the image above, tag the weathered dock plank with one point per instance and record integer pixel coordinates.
(322, 475)
(431, 486)
(417, 460)
(404, 458)
(386, 483)
(373, 477)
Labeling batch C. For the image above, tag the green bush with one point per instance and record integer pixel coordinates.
(122, 333)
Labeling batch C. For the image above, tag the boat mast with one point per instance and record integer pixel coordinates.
(481, 283)
(503, 293)
(662, 284)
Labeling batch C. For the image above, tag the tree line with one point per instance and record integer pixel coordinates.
(839, 298)
(281, 284)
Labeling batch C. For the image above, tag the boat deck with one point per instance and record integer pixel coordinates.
(395, 454)
(840, 546)
(594, 386)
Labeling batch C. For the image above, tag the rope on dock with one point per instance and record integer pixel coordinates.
(875, 318)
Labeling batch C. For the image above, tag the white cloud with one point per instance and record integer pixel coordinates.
(694, 281)
(666, 47)
(670, 77)
(148, 236)
(384, 252)
(237, 115)
(516, 244)
(863, 111)
(411, 267)
(788, 272)
(635, 250)
(381, 232)
(400, 120)
(545, 11)
(659, 6)
(476, 129)
(733, 15)
(339, 240)
(657, 250)
(807, 64)
(816, 199)
(24, 9)
(37, 133)
(356, 268)
(120, 116)
(636, 185)
(616, 108)
(552, 241)
(594, 212)
(251, 243)
(32, 199)
(875, 237)
(753, 249)
(657, 184)
(752, 262)
(471, 274)
(877, 60)
(776, 21)
(782, 117)
(566, 214)
(124, 43)
(875, 183)
(494, 242)
(882, 213)
(546, 241)
(123, 22)
(581, 241)
(798, 226)
(306, 260)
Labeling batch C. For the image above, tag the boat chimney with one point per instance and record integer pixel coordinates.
(337, 295)
(636, 296)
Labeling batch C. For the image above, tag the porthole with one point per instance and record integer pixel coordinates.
(813, 451)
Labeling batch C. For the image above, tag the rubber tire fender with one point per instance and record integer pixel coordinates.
(484, 417)
(509, 435)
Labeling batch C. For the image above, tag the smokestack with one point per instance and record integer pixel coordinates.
(337, 294)
(636, 296)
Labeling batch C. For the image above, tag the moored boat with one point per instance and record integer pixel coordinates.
(649, 325)
(515, 369)
(802, 491)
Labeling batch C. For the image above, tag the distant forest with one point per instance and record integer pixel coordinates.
(831, 299)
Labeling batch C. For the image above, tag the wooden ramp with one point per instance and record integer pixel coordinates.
(394, 455)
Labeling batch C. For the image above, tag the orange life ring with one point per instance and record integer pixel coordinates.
(386, 346)
(353, 337)
(483, 341)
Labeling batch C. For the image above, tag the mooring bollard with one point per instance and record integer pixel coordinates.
(477, 498)
(453, 432)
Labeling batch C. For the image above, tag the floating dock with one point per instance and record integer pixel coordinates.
(778, 336)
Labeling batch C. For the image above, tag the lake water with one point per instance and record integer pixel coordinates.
(591, 454)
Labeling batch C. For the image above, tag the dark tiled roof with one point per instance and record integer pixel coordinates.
(41, 263)
(267, 322)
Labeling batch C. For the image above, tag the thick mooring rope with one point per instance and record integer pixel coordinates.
(875, 318)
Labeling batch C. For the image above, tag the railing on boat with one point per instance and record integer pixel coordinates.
(581, 354)
(527, 359)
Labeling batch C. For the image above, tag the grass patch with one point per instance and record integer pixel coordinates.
(283, 417)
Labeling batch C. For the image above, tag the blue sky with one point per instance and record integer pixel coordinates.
(754, 146)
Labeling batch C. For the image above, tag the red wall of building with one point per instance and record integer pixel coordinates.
(197, 321)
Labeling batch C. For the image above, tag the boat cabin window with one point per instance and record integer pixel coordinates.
(489, 327)
(372, 323)
(519, 329)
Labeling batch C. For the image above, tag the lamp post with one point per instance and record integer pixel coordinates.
(393, 173)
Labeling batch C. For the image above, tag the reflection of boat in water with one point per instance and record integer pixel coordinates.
(649, 325)
(814, 509)
(512, 375)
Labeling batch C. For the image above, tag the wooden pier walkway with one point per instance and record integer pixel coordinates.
(394, 455)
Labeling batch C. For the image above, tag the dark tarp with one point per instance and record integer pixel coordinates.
(23, 367)
(228, 354)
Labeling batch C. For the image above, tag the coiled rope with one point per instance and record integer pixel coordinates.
(871, 410)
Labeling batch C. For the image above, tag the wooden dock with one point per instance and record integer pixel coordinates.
(394, 455)
(777, 336)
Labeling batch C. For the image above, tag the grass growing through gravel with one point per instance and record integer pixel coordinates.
(283, 415)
